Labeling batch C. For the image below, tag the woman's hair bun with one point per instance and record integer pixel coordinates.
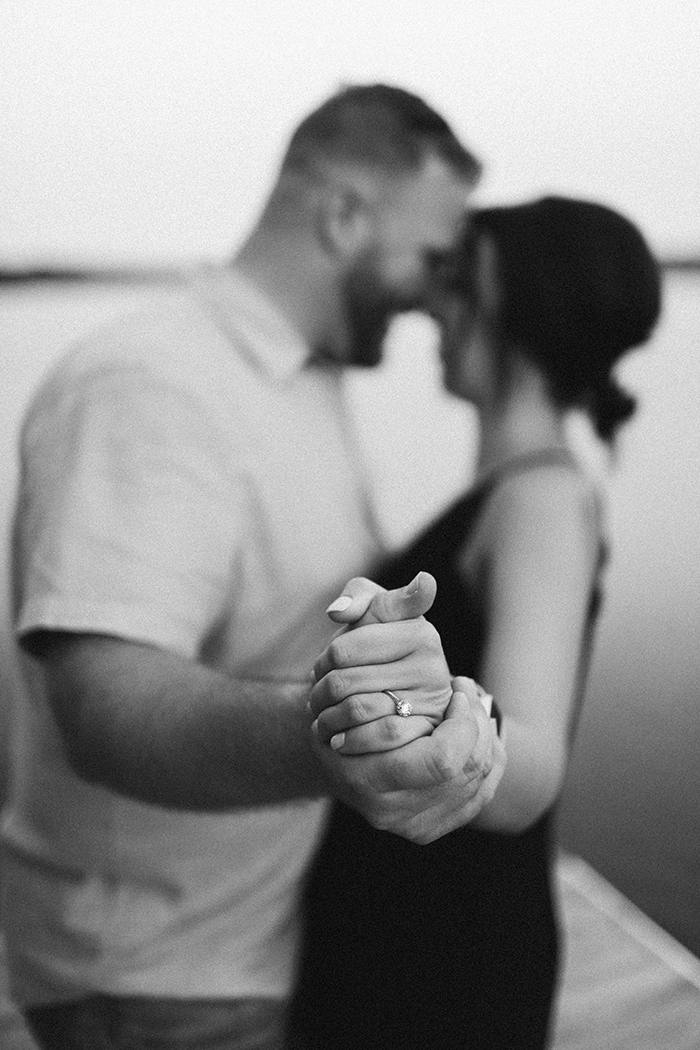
(609, 406)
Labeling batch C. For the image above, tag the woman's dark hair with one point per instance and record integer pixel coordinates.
(578, 286)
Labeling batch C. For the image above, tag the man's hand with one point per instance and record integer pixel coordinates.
(425, 785)
(428, 787)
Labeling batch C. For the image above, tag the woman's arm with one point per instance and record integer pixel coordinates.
(541, 550)
(537, 553)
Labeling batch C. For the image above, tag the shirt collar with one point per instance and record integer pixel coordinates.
(251, 320)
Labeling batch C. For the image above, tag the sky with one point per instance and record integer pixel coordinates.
(142, 131)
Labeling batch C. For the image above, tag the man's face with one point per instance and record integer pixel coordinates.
(470, 344)
(415, 228)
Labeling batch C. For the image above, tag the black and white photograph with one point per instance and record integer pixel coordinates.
(350, 525)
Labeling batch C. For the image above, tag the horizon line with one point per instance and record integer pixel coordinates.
(169, 272)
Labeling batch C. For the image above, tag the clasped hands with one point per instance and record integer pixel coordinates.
(419, 776)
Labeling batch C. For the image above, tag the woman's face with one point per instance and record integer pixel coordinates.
(469, 350)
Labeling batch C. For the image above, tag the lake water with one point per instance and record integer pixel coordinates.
(631, 804)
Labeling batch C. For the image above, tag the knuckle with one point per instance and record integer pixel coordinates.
(381, 607)
(356, 709)
(435, 639)
(336, 686)
(337, 652)
(420, 829)
(429, 636)
(391, 729)
(382, 820)
(444, 766)
(325, 720)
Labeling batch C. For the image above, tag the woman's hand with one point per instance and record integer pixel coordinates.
(369, 674)
(342, 727)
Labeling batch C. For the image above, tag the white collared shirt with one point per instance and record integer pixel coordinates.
(187, 482)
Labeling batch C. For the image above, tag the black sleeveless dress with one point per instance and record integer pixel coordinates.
(449, 946)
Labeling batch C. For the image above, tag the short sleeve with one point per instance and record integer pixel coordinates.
(130, 516)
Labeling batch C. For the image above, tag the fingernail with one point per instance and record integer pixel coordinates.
(413, 585)
(337, 741)
(340, 604)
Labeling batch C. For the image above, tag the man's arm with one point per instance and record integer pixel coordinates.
(163, 729)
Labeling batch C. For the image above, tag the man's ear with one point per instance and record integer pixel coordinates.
(343, 221)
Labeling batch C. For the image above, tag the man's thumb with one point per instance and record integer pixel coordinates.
(403, 603)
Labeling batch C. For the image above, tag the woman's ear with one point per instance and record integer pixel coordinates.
(343, 221)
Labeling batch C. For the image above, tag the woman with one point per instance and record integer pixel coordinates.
(454, 945)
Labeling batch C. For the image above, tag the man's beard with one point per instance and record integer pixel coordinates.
(369, 310)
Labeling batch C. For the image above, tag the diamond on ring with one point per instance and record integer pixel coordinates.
(403, 707)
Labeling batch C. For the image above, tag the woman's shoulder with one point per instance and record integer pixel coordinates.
(547, 484)
(554, 506)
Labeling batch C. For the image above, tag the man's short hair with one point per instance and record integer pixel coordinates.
(376, 126)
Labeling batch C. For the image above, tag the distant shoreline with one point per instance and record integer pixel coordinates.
(92, 274)
(680, 264)
(164, 274)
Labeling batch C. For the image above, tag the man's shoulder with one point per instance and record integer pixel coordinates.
(168, 326)
(170, 338)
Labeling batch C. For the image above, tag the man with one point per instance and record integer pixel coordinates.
(190, 503)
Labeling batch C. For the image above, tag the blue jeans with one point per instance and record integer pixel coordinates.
(104, 1022)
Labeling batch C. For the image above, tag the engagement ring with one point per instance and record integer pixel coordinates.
(403, 707)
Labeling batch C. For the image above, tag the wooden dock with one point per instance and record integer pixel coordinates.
(626, 984)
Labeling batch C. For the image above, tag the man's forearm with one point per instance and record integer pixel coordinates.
(165, 730)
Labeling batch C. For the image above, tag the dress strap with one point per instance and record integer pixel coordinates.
(543, 457)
